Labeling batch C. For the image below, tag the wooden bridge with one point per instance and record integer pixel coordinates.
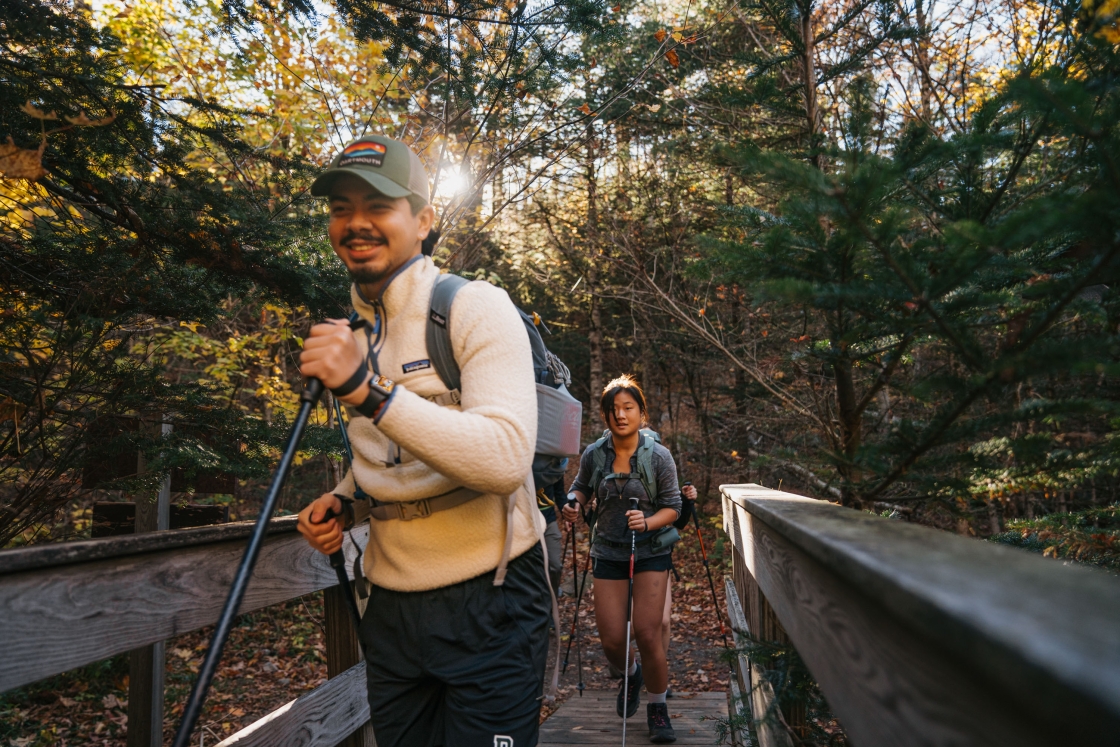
(593, 720)
(916, 637)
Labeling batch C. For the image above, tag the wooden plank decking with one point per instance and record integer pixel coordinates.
(592, 720)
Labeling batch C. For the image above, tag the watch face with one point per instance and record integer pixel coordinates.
(384, 384)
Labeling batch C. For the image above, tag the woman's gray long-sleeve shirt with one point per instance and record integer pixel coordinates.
(614, 500)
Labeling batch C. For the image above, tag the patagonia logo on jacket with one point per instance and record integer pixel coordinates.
(416, 366)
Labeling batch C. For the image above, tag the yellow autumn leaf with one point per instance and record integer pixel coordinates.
(1103, 17)
(677, 36)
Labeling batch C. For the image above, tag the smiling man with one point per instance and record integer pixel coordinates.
(455, 628)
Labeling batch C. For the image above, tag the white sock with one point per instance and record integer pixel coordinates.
(633, 668)
(655, 697)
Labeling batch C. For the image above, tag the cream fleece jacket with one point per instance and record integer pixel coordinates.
(419, 449)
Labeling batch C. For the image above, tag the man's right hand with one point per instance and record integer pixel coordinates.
(326, 537)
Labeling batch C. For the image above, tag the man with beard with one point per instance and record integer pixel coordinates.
(455, 630)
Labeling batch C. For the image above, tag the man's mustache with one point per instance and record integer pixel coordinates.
(351, 236)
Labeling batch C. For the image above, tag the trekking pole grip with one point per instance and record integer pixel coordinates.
(338, 559)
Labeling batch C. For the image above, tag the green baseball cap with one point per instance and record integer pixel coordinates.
(388, 165)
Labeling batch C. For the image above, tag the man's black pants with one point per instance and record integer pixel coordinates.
(460, 666)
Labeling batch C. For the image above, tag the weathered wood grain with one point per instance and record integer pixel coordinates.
(323, 717)
(592, 720)
(759, 691)
(343, 652)
(84, 551)
(919, 637)
(63, 617)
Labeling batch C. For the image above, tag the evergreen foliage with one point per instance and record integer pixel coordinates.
(124, 234)
(1091, 536)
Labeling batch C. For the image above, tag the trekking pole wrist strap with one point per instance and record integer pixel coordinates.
(347, 510)
(356, 380)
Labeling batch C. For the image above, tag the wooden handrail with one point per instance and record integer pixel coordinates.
(918, 636)
(104, 597)
(41, 557)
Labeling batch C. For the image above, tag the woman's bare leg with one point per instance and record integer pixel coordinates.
(610, 618)
(667, 619)
(649, 606)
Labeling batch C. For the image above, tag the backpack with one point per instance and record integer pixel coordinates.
(646, 475)
(559, 414)
(667, 535)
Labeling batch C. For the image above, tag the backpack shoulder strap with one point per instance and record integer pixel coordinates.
(598, 465)
(646, 472)
(438, 336)
(536, 343)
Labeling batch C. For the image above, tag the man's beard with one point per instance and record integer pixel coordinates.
(367, 275)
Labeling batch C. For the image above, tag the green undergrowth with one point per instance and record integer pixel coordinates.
(798, 707)
(1091, 536)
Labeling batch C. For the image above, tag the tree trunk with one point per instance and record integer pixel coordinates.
(922, 44)
(595, 333)
(851, 427)
(809, 75)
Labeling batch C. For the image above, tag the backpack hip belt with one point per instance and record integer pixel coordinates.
(623, 545)
(421, 509)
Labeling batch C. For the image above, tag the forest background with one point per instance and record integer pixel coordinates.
(863, 250)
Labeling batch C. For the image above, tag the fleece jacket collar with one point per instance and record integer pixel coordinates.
(392, 297)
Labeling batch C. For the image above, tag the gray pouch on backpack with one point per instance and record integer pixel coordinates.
(665, 538)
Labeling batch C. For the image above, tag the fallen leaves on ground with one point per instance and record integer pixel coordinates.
(273, 656)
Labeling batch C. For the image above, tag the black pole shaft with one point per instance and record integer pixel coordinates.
(193, 710)
(579, 593)
(338, 559)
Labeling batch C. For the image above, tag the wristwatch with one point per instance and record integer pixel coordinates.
(380, 390)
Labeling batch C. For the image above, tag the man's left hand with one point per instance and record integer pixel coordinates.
(689, 492)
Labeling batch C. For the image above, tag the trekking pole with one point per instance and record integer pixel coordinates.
(338, 562)
(575, 615)
(629, 620)
(711, 583)
(338, 559)
(308, 399)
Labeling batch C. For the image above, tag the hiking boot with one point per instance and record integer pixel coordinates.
(660, 728)
(634, 697)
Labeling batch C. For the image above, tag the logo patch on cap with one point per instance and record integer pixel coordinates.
(363, 153)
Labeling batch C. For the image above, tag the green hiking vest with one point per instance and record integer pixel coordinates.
(646, 473)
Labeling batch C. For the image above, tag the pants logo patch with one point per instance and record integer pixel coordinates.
(416, 366)
(501, 741)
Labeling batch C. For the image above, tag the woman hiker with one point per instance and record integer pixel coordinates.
(618, 473)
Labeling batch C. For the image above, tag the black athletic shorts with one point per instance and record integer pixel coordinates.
(460, 666)
(619, 570)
